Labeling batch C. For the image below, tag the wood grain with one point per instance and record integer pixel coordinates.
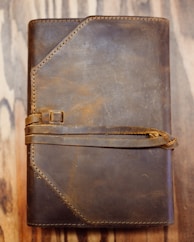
(14, 17)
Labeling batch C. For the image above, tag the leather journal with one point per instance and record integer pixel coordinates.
(98, 125)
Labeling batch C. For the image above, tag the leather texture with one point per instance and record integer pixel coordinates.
(97, 131)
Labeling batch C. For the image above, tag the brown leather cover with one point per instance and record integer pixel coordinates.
(98, 113)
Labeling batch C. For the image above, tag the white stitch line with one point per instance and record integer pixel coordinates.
(48, 21)
(34, 92)
(72, 207)
(85, 225)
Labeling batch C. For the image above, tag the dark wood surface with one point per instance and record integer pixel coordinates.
(14, 16)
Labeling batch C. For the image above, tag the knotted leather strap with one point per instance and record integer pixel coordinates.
(113, 137)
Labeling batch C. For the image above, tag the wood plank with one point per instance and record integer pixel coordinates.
(14, 16)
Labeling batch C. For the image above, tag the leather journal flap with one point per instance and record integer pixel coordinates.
(92, 74)
(98, 116)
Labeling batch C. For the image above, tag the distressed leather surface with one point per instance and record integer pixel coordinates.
(99, 72)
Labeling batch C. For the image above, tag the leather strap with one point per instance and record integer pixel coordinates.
(122, 130)
(111, 141)
(115, 137)
(34, 118)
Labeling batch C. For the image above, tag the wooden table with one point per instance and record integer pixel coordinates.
(14, 16)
